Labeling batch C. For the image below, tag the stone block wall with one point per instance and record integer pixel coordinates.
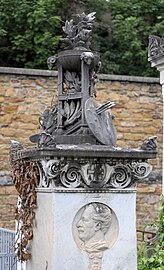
(8, 202)
(24, 94)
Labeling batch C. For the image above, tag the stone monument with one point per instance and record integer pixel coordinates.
(156, 58)
(82, 183)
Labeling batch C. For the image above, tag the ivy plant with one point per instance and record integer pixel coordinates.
(156, 261)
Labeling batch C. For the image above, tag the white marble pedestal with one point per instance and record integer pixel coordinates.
(56, 246)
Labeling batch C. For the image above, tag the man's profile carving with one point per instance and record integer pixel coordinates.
(92, 225)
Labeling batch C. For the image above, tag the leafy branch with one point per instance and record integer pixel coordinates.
(79, 34)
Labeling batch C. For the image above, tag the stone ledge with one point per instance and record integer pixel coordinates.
(102, 77)
(5, 178)
(30, 72)
(84, 150)
(107, 77)
(110, 191)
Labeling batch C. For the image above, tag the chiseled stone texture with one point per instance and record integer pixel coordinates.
(60, 249)
(5, 178)
(8, 202)
(148, 203)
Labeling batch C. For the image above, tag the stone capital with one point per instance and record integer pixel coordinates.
(156, 54)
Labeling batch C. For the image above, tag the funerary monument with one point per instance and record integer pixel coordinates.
(77, 203)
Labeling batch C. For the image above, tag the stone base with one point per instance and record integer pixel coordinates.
(59, 244)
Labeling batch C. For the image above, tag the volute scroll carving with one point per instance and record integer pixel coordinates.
(51, 61)
(71, 176)
(121, 176)
(63, 173)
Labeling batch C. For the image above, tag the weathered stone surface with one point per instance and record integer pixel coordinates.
(8, 132)
(57, 207)
(5, 178)
(8, 202)
(133, 105)
(12, 108)
(27, 118)
(148, 203)
(3, 89)
(7, 119)
(2, 99)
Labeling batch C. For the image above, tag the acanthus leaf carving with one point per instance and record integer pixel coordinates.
(49, 171)
(48, 122)
(79, 35)
(44, 181)
(72, 81)
(71, 112)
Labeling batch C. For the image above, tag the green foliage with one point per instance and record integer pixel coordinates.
(30, 32)
(156, 261)
(132, 22)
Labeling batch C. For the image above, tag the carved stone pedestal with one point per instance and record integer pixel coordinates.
(86, 198)
(84, 231)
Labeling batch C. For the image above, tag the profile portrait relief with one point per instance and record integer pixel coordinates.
(95, 229)
(93, 225)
